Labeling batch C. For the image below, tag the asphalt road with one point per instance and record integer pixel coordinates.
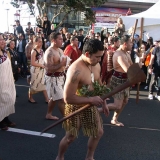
(139, 139)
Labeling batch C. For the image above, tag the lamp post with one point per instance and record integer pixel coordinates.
(16, 16)
(78, 20)
(7, 19)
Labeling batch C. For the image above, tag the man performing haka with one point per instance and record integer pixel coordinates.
(55, 64)
(121, 63)
(84, 72)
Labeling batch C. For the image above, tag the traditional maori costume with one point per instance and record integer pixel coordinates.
(37, 75)
(117, 79)
(107, 64)
(54, 85)
(7, 87)
(86, 119)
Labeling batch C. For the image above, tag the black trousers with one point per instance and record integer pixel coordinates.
(154, 78)
(148, 79)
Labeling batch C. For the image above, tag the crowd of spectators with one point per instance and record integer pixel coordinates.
(20, 43)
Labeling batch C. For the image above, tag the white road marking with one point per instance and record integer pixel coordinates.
(21, 85)
(34, 133)
(149, 129)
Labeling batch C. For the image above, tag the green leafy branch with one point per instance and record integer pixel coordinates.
(98, 90)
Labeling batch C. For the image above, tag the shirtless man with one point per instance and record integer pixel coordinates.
(121, 63)
(83, 71)
(28, 50)
(55, 64)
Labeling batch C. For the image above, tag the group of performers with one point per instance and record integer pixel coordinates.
(48, 74)
(84, 71)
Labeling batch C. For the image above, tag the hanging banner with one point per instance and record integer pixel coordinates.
(107, 17)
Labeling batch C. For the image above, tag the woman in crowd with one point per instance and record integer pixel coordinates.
(37, 71)
(72, 50)
(46, 26)
(7, 88)
(14, 59)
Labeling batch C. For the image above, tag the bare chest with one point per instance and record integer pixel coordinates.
(88, 79)
(56, 57)
(126, 58)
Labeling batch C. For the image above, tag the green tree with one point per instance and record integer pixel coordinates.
(56, 7)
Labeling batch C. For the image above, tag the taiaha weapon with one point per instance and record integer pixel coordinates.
(138, 85)
(135, 26)
(134, 74)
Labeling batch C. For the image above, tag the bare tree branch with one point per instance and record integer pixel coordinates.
(61, 22)
(60, 11)
(66, 7)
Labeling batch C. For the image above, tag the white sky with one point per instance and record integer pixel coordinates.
(145, 1)
(24, 16)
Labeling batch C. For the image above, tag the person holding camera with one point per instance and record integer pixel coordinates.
(119, 27)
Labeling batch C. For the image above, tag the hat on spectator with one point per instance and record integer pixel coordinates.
(17, 21)
(136, 36)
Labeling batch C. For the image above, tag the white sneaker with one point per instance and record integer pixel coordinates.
(150, 96)
(157, 97)
(146, 87)
(156, 88)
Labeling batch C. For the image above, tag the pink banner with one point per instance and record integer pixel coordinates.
(108, 15)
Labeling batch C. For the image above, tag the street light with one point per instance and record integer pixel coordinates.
(16, 16)
(7, 19)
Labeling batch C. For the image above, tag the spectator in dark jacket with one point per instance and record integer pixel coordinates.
(14, 58)
(80, 39)
(46, 26)
(21, 44)
(67, 41)
(18, 28)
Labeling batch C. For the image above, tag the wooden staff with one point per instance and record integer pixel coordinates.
(140, 41)
(135, 26)
(134, 74)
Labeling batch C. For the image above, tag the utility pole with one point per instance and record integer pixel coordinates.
(35, 26)
(7, 19)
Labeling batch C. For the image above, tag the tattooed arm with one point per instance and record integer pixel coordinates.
(71, 86)
(50, 65)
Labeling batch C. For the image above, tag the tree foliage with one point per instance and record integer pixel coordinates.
(56, 7)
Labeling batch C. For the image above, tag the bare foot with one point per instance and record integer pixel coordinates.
(100, 110)
(50, 117)
(47, 101)
(31, 100)
(116, 123)
(59, 159)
